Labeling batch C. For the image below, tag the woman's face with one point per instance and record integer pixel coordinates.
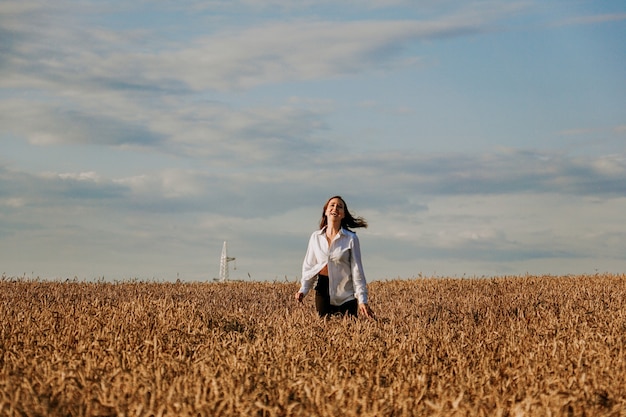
(335, 210)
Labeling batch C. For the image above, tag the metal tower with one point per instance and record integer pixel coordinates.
(224, 260)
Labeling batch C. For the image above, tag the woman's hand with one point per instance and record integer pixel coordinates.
(299, 296)
(365, 310)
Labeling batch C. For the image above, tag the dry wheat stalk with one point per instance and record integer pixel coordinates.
(504, 346)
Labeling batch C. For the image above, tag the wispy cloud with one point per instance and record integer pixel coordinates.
(92, 84)
(256, 192)
(229, 59)
(493, 208)
(591, 19)
(46, 124)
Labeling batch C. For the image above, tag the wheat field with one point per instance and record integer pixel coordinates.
(504, 346)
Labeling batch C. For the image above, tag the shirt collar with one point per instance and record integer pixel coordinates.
(323, 230)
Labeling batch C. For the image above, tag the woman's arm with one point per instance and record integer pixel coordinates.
(358, 276)
(310, 268)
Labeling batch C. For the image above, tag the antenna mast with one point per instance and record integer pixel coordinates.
(224, 260)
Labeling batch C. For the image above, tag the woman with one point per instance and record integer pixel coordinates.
(333, 261)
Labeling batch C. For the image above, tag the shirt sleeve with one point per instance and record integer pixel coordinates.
(358, 276)
(310, 266)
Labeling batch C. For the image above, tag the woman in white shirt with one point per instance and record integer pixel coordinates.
(333, 262)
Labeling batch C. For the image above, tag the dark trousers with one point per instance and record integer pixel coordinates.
(322, 301)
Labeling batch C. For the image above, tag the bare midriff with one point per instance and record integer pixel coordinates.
(324, 270)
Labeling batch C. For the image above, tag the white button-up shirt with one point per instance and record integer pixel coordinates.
(345, 270)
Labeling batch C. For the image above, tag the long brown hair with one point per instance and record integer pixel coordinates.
(348, 221)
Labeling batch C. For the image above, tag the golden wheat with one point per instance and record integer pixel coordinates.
(507, 346)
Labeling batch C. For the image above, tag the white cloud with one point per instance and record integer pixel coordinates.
(72, 52)
(80, 176)
(300, 50)
(15, 202)
(42, 123)
(268, 214)
(592, 19)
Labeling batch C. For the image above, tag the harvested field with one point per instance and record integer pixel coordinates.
(506, 346)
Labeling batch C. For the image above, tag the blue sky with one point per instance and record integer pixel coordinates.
(478, 138)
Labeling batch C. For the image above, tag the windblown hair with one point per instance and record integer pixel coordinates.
(348, 220)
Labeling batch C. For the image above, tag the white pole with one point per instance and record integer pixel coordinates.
(224, 260)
